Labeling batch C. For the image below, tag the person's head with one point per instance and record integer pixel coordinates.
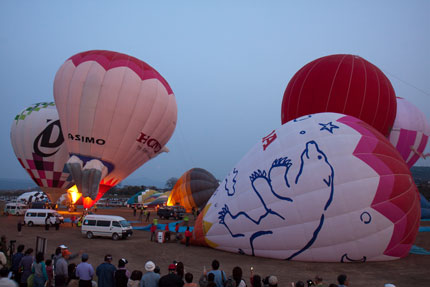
(122, 262)
(273, 281)
(39, 257)
(215, 264)
(256, 280)
(58, 250)
(20, 248)
(84, 257)
(28, 251)
(342, 279)
(108, 258)
(149, 266)
(136, 275)
(299, 284)
(188, 277)
(48, 262)
(172, 268)
(211, 277)
(3, 238)
(318, 279)
(157, 269)
(4, 272)
(65, 253)
(237, 274)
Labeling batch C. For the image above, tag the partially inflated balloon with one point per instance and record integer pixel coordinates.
(324, 187)
(38, 143)
(410, 131)
(346, 84)
(117, 112)
(193, 189)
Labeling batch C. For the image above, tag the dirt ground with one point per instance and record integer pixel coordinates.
(410, 271)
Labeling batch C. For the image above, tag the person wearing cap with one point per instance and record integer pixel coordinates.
(61, 270)
(106, 272)
(85, 272)
(171, 279)
(150, 278)
(122, 274)
(273, 281)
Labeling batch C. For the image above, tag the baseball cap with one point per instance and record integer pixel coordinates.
(108, 257)
(149, 266)
(65, 252)
(123, 261)
(62, 246)
(389, 285)
(84, 256)
(273, 280)
(172, 267)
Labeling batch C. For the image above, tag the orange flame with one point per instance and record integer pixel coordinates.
(74, 194)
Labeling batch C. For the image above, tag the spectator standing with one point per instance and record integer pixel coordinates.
(134, 210)
(50, 273)
(85, 272)
(73, 280)
(16, 259)
(19, 227)
(180, 270)
(237, 277)
(273, 281)
(141, 215)
(343, 281)
(106, 272)
(150, 278)
(135, 278)
(4, 280)
(256, 281)
(171, 279)
(220, 276)
(153, 230)
(61, 269)
(26, 263)
(39, 271)
(122, 274)
(211, 280)
(188, 235)
(189, 280)
(299, 284)
(148, 214)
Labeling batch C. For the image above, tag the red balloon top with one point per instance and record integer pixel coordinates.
(346, 84)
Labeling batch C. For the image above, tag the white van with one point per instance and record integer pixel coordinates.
(38, 216)
(112, 226)
(15, 208)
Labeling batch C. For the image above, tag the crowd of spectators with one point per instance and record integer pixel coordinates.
(28, 270)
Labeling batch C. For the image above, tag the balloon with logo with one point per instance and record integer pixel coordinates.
(346, 84)
(117, 112)
(38, 143)
(193, 189)
(325, 187)
(410, 132)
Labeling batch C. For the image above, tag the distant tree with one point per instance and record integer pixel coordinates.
(170, 183)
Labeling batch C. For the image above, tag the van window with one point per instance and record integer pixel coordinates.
(90, 222)
(116, 224)
(124, 223)
(31, 214)
(103, 223)
(11, 207)
(41, 214)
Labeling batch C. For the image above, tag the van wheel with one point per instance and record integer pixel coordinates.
(115, 236)
(30, 223)
(90, 235)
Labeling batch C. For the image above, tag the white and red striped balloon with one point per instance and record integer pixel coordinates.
(410, 131)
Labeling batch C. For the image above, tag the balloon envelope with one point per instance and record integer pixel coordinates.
(410, 131)
(38, 143)
(193, 189)
(346, 84)
(324, 187)
(117, 112)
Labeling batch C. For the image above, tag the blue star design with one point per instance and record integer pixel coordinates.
(329, 127)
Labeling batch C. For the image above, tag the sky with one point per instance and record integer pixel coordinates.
(228, 62)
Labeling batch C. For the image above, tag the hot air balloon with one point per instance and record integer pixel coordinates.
(346, 84)
(38, 143)
(193, 189)
(410, 132)
(117, 112)
(325, 187)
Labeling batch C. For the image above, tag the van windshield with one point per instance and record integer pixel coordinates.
(124, 223)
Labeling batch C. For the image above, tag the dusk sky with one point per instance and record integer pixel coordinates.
(228, 62)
